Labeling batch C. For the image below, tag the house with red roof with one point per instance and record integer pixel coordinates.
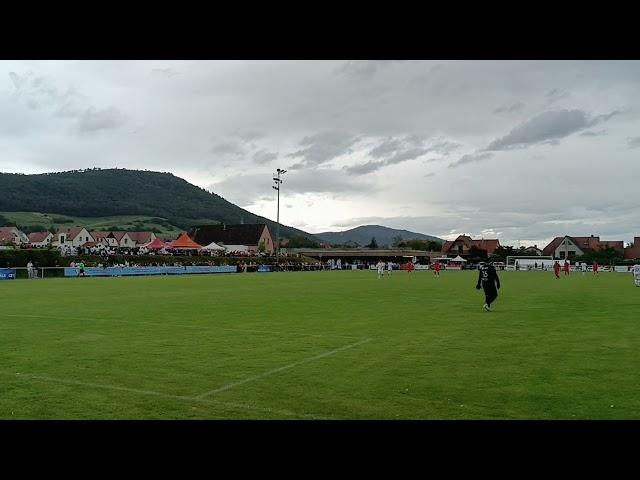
(71, 237)
(142, 238)
(40, 239)
(12, 235)
(107, 239)
(570, 246)
(463, 244)
(124, 239)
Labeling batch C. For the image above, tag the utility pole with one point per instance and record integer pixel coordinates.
(277, 181)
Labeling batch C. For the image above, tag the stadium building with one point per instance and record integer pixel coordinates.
(250, 235)
(633, 253)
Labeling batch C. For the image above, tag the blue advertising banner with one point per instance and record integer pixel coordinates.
(214, 269)
(264, 268)
(129, 271)
(7, 273)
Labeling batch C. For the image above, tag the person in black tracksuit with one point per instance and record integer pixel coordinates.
(488, 280)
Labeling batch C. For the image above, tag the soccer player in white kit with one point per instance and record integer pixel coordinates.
(389, 268)
(636, 275)
(380, 266)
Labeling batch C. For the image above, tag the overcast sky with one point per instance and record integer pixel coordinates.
(516, 150)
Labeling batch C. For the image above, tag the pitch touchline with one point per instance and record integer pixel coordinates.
(165, 395)
(279, 369)
(204, 327)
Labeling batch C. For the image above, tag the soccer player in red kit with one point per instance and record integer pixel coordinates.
(556, 269)
(595, 267)
(436, 268)
(566, 267)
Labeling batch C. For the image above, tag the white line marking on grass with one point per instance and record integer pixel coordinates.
(95, 385)
(186, 398)
(280, 369)
(204, 327)
(283, 333)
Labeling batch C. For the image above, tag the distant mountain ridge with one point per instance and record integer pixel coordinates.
(117, 192)
(363, 234)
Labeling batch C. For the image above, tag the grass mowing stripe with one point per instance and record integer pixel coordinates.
(187, 398)
(169, 325)
(280, 369)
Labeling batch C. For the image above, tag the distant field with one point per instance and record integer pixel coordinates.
(339, 345)
(47, 220)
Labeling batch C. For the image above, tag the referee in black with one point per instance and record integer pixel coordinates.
(490, 283)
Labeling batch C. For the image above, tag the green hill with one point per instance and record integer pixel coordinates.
(36, 221)
(88, 196)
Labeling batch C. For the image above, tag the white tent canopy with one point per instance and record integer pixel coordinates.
(213, 246)
(458, 259)
(236, 248)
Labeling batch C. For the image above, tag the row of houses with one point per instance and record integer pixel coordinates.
(570, 246)
(257, 237)
(251, 237)
(75, 237)
(560, 247)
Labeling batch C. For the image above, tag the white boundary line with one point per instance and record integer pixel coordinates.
(279, 369)
(204, 327)
(45, 378)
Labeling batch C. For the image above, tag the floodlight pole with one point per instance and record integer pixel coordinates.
(277, 180)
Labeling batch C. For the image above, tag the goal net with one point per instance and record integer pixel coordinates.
(534, 262)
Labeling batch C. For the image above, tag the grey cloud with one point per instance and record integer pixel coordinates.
(327, 180)
(593, 133)
(605, 117)
(364, 168)
(323, 147)
(166, 72)
(633, 142)
(262, 156)
(248, 135)
(556, 95)
(426, 175)
(445, 147)
(547, 126)
(246, 189)
(387, 147)
(16, 79)
(227, 148)
(472, 157)
(37, 92)
(410, 154)
(361, 68)
(516, 107)
(399, 150)
(93, 120)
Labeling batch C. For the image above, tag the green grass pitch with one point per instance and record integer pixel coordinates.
(320, 345)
